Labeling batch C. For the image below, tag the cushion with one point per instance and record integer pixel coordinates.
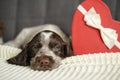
(102, 66)
(88, 39)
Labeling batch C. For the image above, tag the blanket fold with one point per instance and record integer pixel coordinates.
(98, 66)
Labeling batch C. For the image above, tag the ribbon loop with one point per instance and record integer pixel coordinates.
(92, 19)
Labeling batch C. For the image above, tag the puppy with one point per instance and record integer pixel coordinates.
(43, 52)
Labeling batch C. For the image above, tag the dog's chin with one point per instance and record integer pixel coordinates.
(37, 68)
(44, 62)
(40, 68)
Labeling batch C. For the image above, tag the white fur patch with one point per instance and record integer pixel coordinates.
(45, 36)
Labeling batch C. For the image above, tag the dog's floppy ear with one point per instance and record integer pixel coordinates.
(67, 50)
(20, 59)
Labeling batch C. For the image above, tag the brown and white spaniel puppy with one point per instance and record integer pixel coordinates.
(43, 52)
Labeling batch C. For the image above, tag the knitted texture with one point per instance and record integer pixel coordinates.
(102, 66)
(7, 52)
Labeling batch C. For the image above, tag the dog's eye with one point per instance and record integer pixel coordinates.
(54, 45)
(57, 46)
(37, 46)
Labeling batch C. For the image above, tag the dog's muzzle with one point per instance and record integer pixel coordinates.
(42, 62)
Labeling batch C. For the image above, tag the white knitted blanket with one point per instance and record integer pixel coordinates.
(100, 66)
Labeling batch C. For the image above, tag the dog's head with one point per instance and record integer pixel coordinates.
(43, 52)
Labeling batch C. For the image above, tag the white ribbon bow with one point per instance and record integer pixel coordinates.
(93, 19)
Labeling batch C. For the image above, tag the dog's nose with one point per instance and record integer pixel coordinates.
(44, 62)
